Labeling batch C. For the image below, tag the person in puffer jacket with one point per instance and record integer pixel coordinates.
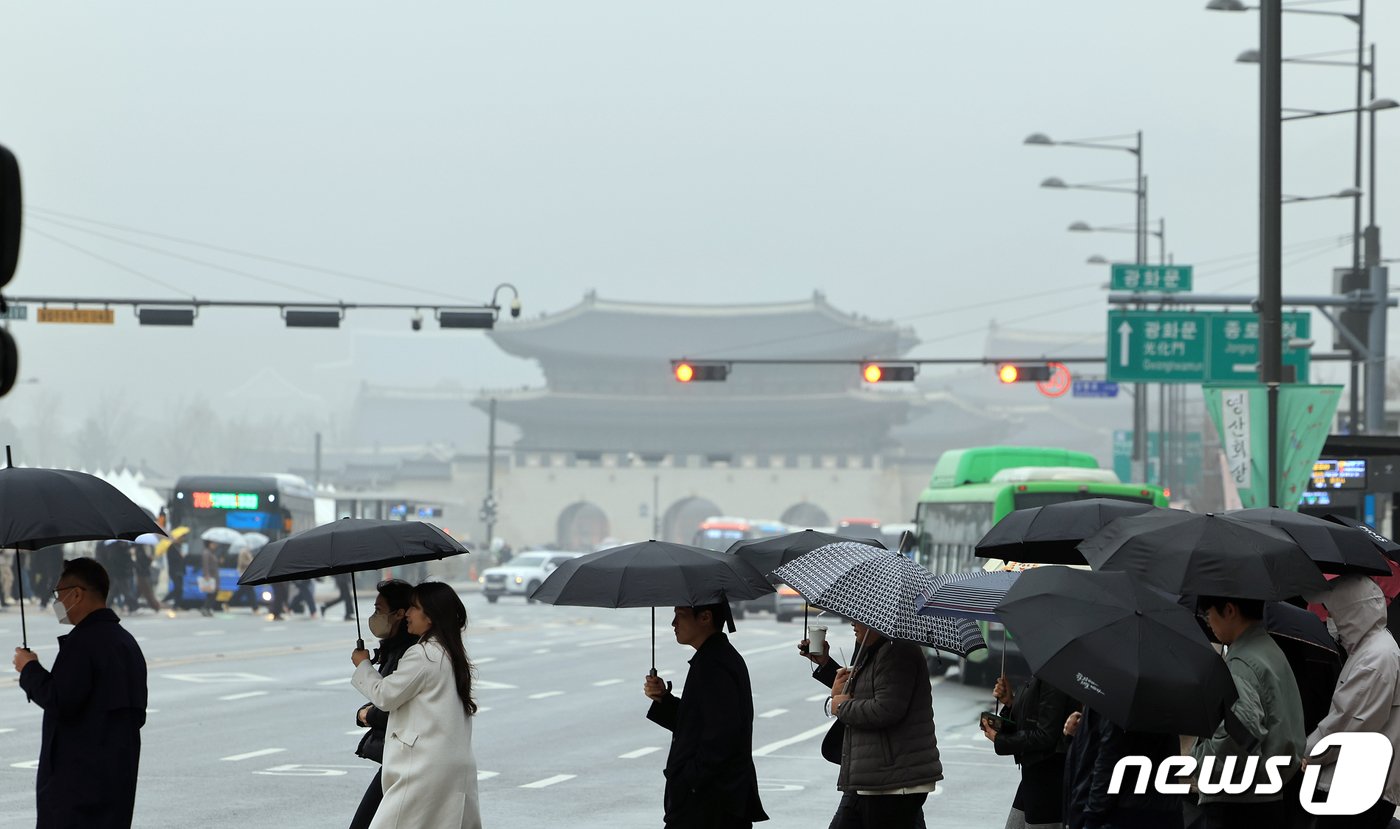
(1367, 697)
(889, 755)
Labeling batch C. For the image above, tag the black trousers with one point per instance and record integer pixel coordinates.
(879, 811)
(369, 804)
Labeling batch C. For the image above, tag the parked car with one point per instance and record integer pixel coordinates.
(788, 604)
(521, 575)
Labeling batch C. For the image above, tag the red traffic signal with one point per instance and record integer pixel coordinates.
(888, 372)
(1024, 372)
(687, 371)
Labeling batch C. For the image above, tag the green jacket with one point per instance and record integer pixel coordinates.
(1269, 708)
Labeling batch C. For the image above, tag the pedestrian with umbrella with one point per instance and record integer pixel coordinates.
(1269, 710)
(1050, 534)
(1139, 663)
(429, 773)
(889, 752)
(710, 776)
(1366, 694)
(389, 624)
(768, 554)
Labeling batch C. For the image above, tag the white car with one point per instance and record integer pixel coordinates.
(521, 575)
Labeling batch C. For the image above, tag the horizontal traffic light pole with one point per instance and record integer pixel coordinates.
(192, 302)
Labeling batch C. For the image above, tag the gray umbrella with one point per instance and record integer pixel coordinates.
(878, 589)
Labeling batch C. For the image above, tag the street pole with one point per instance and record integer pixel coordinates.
(1270, 222)
(489, 508)
(656, 507)
(316, 473)
(1380, 291)
(1140, 390)
(1354, 416)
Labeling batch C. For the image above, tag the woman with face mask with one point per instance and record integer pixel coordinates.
(387, 623)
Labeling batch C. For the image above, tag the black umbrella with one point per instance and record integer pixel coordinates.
(1120, 647)
(349, 545)
(768, 554)
(1205, 554)
(1050, 534)
(44, 507)
(1333, 547)
(1388, 548)
(652, 574)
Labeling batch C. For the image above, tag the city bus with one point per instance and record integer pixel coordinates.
(274, 505)
(972, 489)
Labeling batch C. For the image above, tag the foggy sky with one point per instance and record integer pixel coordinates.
(690, 152)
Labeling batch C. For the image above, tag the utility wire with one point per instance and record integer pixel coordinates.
(193, 260)
(99, 257)
(257, 256)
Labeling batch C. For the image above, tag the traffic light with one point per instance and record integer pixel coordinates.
(11, 206)
(687, 371)
(1024, 372)
(888, 372)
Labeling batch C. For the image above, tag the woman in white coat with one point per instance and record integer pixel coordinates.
(429, 769)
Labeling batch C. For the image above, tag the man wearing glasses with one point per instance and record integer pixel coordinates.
(94, 703)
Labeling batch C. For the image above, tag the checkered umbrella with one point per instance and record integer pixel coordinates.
(970, 595)
(878, 589)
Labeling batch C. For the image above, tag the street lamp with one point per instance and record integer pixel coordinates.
(1348, 193)
(1116, 142)
(1097, 259)
(1057, 183)
(1160, 233)
(1237, 6)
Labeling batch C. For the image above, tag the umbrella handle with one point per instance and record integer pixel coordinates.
(19, 571)
(360, 636)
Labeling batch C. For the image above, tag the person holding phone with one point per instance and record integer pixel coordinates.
(1030, 728)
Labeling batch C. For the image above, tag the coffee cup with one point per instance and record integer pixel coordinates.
(816, 640)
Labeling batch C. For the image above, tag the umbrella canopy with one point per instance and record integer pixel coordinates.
(175, 535)
(44, 507)
(768, 554)
(1384, 545)
(255, 541)
(1206, 555)
(148, 539)
(652, 574)
(1333, 547)
(1120, 647)
(1051, 534)
(349, 545)
(223, 535)
(970, 595)
(878, 589)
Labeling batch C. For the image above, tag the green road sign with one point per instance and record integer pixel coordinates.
(1195, 346)
(1165, 278)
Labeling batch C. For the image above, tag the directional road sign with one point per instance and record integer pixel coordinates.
(1195, 346)
(1156, 278)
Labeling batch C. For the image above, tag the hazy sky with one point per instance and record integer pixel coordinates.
(692, 152)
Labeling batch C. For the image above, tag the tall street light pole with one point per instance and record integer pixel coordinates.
(1271, 222)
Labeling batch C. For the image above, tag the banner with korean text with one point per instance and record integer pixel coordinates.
(1240, 412)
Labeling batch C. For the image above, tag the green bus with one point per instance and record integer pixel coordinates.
(972, 489)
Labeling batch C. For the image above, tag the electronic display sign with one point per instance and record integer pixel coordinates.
(1339, 473)
(224, 500)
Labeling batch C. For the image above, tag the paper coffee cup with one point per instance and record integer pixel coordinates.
(816, 640)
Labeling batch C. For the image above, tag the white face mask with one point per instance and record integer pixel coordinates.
(381, 625)
(61, 611)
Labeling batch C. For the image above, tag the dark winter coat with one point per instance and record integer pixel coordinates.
(710, 766)
(890, 741)
(390, 651)
(1096, 747)
(1039, 713)
(94, 702)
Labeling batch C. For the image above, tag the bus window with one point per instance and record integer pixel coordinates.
(949, 532)
(1026, 500)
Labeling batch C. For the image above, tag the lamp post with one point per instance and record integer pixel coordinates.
(1139, 190)
(1160, 233)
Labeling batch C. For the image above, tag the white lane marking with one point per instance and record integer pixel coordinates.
(641, 752)
(487, 685)
(776, 712)
(337, 681)
(764, 751)
(547, 694)
(244, 695)
(210, 632)
(152, 710)
(486, 775)
(540, 650)
(357, 732)
(262, 752)
(817, 697)
(615, 640)
(605, 682)
(482, 661)
(549, 781)
(230, 676)
(482, 709)
(6, 730)
(27, 764)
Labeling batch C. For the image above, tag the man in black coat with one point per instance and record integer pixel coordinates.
(94, 703)
(710, 777)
